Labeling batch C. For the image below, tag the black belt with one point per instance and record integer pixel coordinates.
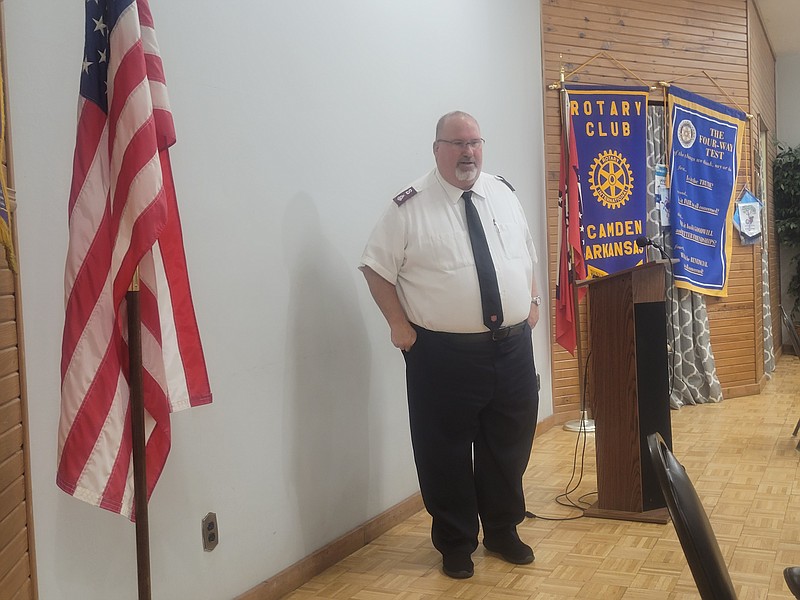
(488, 336)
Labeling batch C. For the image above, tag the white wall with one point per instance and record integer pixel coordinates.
(787, 79)
(297, 123)
(787, 92)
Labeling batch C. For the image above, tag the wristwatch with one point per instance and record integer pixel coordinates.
(536, 300)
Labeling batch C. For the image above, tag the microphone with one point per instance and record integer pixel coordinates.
(643, 241)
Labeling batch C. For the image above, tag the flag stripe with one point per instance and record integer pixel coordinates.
(145, 15)
(90, 483)
(88, 421)
(155, 68)
(91, 128)
(84, 296)
(187, 346)
(113, 442)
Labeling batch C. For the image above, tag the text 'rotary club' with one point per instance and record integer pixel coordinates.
(603, 108)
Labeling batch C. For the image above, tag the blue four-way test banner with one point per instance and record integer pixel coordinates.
(705, 148)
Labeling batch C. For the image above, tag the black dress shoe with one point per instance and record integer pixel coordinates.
(511, 550)
(458, 566)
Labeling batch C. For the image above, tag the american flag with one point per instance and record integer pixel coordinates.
(123, 214)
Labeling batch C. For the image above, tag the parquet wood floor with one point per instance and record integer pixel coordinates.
(739, 453)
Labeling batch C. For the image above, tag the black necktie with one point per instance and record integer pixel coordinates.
(487, 277)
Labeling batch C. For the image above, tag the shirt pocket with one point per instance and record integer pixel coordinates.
(512, 238)
(448, 251)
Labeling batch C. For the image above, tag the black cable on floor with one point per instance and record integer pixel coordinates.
(564, 499)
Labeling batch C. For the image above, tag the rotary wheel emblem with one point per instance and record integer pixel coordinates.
(611, 179)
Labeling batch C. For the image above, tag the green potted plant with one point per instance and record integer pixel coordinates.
(786, 193)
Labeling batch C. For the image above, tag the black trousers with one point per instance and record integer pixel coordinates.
(473, 407)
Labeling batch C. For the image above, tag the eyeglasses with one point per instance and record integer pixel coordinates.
(462, 144)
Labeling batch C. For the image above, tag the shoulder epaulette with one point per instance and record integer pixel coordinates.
(501, 178)
(404, 195)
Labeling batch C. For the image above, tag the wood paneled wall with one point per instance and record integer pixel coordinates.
(17, 558)
(15, 555)
(673, 42)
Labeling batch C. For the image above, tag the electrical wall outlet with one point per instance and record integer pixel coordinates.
(210, 532)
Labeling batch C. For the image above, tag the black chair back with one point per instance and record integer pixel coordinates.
(792, 577)
(691, 524)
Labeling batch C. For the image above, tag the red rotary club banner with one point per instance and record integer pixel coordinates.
(610, 127)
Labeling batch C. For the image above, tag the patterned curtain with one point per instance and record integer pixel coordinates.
(760, 146)
(692, 370)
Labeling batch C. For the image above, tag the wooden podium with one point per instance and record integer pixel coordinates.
(628, 389)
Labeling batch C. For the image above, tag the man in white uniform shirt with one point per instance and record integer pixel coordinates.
(471, 381)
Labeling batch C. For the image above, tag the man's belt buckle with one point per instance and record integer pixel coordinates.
(500, 334)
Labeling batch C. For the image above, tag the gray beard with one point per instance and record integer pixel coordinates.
(466, 174)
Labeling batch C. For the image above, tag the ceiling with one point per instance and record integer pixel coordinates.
(781, 19)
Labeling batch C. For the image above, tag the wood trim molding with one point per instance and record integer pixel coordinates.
(752, 389)
(548, 423)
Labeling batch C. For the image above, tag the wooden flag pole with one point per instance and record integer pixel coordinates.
(584, 423)
(138, 438)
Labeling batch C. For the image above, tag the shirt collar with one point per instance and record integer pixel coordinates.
(454, 193)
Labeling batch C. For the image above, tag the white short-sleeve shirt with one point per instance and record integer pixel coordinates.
(421, 245)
